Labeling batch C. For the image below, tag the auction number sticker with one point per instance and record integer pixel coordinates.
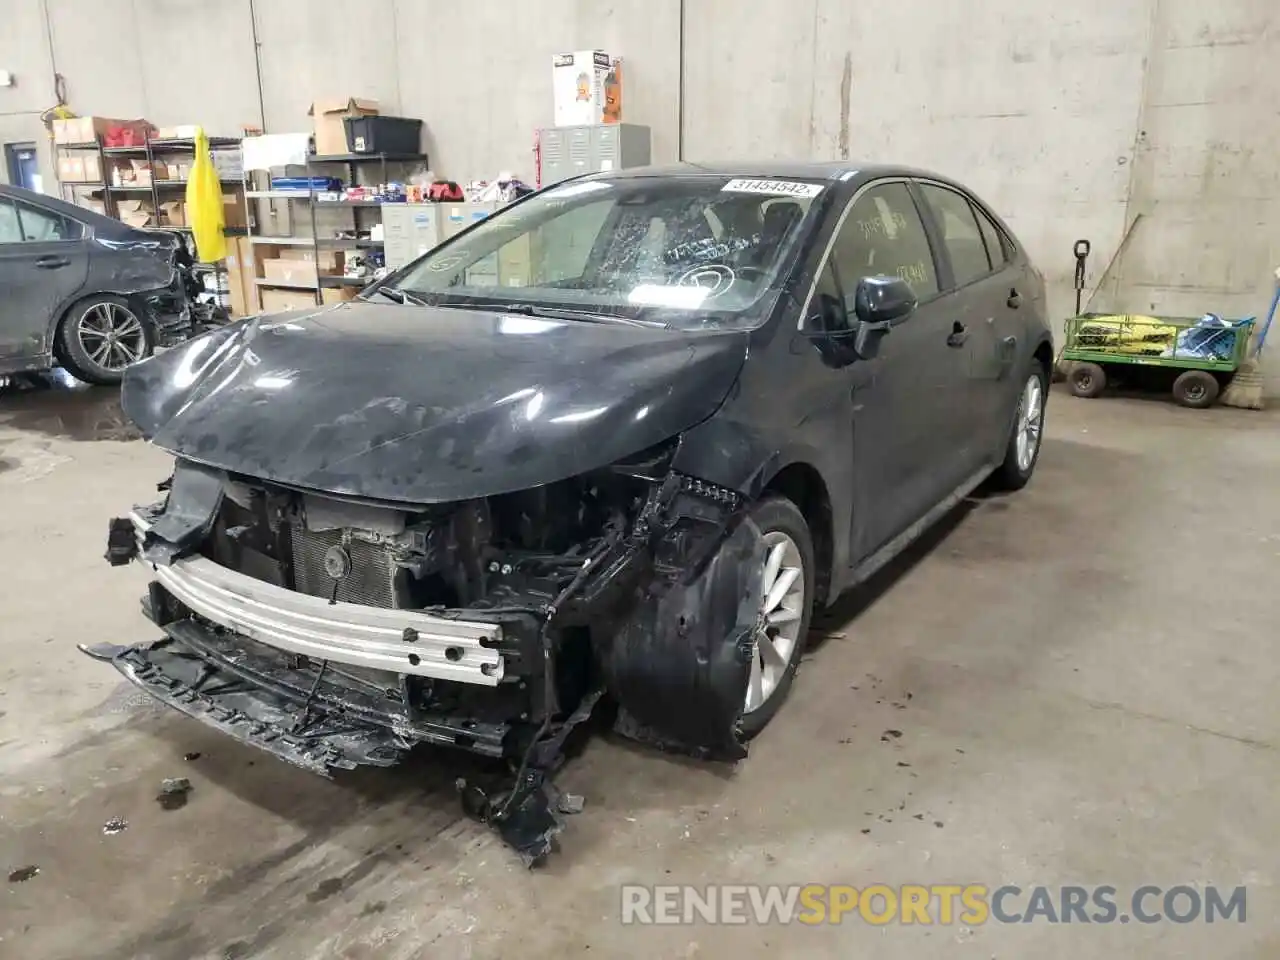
(773, 188)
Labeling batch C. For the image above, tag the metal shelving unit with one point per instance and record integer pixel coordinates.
(353, 162)
(151, 150)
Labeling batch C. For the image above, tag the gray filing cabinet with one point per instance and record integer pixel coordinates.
(569, 151)
(411, 229)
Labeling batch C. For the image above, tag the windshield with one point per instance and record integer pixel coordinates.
(686, 251)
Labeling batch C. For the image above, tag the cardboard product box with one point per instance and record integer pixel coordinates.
(233, 212)
(297, 272)
(339, 294)
(330, 131)
(586, 88)
(87, 129)
(276, 300)
(327, 262)
(241, 273)
(71, 169)
(97, 206)
(183, 131)
(173, 213)
(229, 163)
(137, 213)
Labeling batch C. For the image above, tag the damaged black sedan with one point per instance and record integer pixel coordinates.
(618, 441)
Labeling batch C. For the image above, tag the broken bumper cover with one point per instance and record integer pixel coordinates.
(400, 641)
(301, 714)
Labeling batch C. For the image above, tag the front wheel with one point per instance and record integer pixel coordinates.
(101, 337)
(786, 604)
(1023, 448)
(1196, 388)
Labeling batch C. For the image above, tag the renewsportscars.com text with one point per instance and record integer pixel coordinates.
(942, 904)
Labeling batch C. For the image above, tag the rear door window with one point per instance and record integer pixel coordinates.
(961, 234)
(997, 252)
(884, 236)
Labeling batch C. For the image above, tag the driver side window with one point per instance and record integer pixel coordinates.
(884, 236)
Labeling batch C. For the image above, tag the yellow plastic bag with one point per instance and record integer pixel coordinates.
(204, 204)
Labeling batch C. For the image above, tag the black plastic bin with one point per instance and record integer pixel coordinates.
(383, 134)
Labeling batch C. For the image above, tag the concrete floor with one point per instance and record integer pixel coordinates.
(1085, 677)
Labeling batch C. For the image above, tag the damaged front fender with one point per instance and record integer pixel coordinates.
(679, 665)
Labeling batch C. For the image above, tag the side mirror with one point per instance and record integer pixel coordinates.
(887, 300)
(880, 304)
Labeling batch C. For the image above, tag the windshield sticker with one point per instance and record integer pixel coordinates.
(773, 188)
(714, 278)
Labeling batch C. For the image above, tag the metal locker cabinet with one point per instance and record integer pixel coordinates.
(555, 155)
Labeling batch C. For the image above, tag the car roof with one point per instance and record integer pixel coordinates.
(102, 226)
(845, 170)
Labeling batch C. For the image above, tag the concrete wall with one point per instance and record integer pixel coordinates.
(1153, 120)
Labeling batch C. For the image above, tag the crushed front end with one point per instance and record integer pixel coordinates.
(336, 633)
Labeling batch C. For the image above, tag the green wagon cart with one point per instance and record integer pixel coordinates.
(1194, 358)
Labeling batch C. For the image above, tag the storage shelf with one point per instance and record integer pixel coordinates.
(283, 241)
(183, 145)
(367, 157)
(347, 243)
(356, 203)
(277, 194)
(264, 282)
(91, 145)
(345, 281)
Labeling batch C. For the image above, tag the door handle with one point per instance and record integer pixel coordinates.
(1015, 298)
(51, 262)
(958, 335)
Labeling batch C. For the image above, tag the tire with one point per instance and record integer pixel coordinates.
(1086, 380)
(85, 333)
(1196, 388)
(1022, 450)
(782, 525)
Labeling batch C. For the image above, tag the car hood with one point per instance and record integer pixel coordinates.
(426, 404)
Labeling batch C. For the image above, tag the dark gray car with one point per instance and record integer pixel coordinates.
(83, 290)
(622, 437)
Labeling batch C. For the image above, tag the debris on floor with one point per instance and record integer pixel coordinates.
(115, 825)
(173, 793)
(23, 874)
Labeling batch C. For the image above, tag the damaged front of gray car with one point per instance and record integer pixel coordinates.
(337, 591)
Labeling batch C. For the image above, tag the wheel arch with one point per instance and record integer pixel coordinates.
(802, 484)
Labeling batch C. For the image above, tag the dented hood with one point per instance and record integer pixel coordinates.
(426, 404)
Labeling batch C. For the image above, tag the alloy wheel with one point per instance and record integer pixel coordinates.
(782, 599)
(1030, 422)
(112, 336)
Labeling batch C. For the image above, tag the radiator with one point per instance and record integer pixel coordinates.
(371, 580)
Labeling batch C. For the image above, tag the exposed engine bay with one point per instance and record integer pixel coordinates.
(340, 632)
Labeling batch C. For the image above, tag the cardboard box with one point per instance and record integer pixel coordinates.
(276, 300)
(88, 129)
(137, 213)
(328, 262)
(339, 294)
(330, 131)
(233, 212)
(173, 213)
(71, 169)
(297, 272)
(241, 274)
(184, 131)
(97, 206)
(586, 87)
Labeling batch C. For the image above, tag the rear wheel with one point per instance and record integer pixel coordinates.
(786, 604)
(1087, 380)
(1196, 388)
(101, 337)
(1023, 448)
